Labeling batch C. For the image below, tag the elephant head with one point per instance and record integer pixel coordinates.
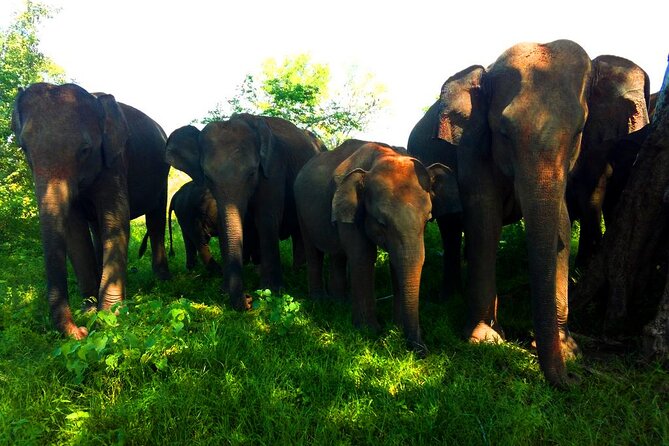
(228, 157)
(389, 197)
(618, 104)
(517, 126)
(69, 138)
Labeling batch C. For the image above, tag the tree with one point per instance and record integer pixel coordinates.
(21, 64)
(299, 90)
(627, 282)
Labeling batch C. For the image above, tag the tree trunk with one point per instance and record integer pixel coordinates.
(626, 278)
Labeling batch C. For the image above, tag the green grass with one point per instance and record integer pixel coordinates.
(179, 366)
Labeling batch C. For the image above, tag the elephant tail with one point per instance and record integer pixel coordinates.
(169, 225)
(142, 247)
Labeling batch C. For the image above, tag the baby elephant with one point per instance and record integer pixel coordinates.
(362, 195)
(197, 215)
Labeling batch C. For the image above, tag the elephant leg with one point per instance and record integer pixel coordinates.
(483, 227)
(569, 347)
(299, 256)
(191, 251)
(270, 259)
(450, 227)
(314, 270)
(398, 312)
(81, 252)
(114, 230)
(155, 225)
(205, 254)
(97, 245)
(591, 223)
(338, 280)
(361, 256)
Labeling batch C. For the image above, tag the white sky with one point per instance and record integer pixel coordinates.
(175, 60)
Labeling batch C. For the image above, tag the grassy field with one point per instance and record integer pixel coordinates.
(179, 366)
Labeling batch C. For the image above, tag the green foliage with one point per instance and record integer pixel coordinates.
(177, 365)
(131, 336)
(281, 311)
(301, 91)
(21, 64)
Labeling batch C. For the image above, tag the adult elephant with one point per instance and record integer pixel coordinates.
(423, 145)
(249, 163)
(618, 104)
(362, 195)
(95, 162)
(517, 129)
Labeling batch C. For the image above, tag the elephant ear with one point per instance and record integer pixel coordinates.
(444, 191)
(183, 152)
(617, 99)
(17, 124)
(114, 129)
(463, 107)
(267, 141)
(347, 196)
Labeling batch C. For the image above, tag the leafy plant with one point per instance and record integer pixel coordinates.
(281, 311)
(128, 336)
(301, 92)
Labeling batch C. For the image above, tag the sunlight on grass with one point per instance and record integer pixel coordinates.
(177, 365)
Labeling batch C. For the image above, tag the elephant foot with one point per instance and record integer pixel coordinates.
(242, 303)
(562, 381)
(568, 345)
(483, 332)
(418, 347)
(73, 331)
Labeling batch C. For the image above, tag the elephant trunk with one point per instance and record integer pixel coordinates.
(544, 210)
(407, 263)
(54, 197)
(231, 240)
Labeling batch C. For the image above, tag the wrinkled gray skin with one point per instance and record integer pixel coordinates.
(95, 162)
(249, 163)
(618, 105)
(517, 128)
(423, 145)
(361, 196)
(617, 94)
(197, 214)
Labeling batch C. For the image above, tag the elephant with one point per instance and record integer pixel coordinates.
(516, 128)
(360, 196)
(96, 164)
(618, 104)
(423, 145)
(249, 163)
(197, 214)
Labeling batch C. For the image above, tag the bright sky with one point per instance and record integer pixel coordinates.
(175, 60)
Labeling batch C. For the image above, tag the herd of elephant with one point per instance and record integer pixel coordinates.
(544, 133)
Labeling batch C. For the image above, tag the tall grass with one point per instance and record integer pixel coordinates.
(179, 366)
